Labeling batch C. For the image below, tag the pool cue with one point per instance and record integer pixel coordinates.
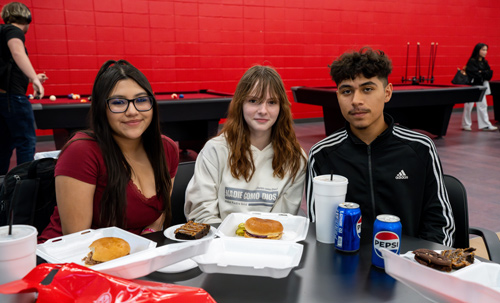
(433, 62)
(417, 77)
(430, 62)
(407, 54)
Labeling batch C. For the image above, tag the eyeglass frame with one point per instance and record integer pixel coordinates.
(151, 99)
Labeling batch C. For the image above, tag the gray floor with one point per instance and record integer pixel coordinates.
(472, 157)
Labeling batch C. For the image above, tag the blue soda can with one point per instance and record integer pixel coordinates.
(386, 234)
(347, 227)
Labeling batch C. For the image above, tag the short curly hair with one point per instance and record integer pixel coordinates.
(367, 62)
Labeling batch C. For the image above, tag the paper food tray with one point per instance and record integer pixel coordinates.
(144, 258)
(252, 257)
(479, 282)
(294, 227)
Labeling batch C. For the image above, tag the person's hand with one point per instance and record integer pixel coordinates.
(42, 77)
(38, 88)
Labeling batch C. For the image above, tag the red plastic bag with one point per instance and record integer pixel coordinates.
(75, 283)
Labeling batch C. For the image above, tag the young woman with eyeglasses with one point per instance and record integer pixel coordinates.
(119, 172)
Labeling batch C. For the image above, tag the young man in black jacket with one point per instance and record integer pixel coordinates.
(391, 169)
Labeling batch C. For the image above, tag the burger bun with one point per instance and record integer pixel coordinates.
(263, 228)
(109, 248)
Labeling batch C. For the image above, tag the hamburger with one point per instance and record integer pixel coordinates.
(106, 249)
(263, 229)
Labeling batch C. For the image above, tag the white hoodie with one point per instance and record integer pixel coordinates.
(213, 193)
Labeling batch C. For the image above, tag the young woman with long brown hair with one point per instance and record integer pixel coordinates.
(119, 172)
(256, 162)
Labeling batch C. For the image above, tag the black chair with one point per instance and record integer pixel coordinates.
(458, 199)
(182, 178)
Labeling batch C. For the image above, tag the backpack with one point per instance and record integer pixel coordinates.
(29, 189)
(5, 62)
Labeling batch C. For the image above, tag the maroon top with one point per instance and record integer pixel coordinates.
(83, 160)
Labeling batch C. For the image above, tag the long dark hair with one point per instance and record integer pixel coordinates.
(475, 51)
(114, 198)
(287, 151)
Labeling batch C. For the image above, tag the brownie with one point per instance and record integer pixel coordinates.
(192, 231)
(432, 259)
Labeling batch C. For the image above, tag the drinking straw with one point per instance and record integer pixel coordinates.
(331, 175)
(11, 206)
(11, 220)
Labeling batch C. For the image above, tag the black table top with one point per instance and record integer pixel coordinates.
(323, 275)
(403, 95)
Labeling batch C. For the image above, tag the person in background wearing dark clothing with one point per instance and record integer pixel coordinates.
(479, 71)
(391, 169)
(17, 123)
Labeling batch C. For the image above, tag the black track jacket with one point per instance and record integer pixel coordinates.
(399, 173)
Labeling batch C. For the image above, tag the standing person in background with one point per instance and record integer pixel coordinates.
(479, 71)
(256, 162)
(17, 123)
(120, 172)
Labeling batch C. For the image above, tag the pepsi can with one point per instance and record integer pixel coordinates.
(386, 234)
(347, 227)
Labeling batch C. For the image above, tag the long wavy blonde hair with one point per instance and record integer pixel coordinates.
(288, 154)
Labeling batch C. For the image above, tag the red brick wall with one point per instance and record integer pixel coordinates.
(197, 44)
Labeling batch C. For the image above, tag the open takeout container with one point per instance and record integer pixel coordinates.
(232, 254)
(294, 227)
(144, 257)
(478, 282)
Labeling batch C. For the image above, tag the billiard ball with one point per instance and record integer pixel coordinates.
(174, 96)
(181, 96)
(31, 97)
(70, 96)
(52, 98)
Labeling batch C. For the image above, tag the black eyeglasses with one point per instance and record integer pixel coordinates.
(120, 105)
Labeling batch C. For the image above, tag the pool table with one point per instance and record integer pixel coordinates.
(426, 107)
(495, 92)
(190, 120)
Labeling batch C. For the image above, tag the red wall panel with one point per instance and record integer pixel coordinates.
(196, 44)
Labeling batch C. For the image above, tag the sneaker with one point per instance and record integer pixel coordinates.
(490, 128)
(466, 128)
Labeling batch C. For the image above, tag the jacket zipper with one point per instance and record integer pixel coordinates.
(370, 174)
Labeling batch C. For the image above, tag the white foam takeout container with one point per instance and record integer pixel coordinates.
(144, 257)
(232, 254)
(294, 227)
(251, 257)
(478, 282)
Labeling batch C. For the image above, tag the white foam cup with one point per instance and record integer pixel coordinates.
(17, 259)
(328, 194)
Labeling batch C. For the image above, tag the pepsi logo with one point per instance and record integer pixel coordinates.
(386, 239)
(358, 227)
